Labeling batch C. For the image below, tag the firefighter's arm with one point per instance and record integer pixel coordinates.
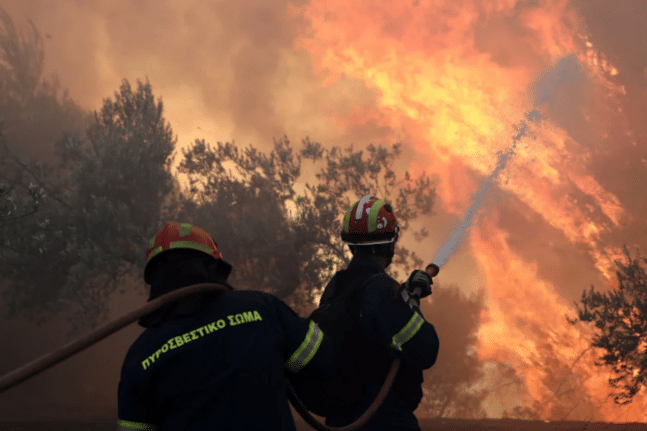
(307, 349)
(387, 318)
(134, 411)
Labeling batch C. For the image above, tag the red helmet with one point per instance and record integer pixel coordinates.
(369, 221)
(177, 236)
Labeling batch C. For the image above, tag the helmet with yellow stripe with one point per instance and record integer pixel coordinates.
(175, 236)
(369, 221)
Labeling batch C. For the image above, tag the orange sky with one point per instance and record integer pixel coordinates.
(448, 78)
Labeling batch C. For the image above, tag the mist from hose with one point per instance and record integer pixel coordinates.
(557, 77)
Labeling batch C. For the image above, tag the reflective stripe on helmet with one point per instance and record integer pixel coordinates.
(302, 356)
(175, 236)
(185, 229)
(347, 218)
(410, 329)
(367, 243)
(370, 221)
(191, 244)
(154, 252)
(136, 425)
(360, 206)
(372, 216)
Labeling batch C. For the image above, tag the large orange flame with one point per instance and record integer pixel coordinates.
(454, 77)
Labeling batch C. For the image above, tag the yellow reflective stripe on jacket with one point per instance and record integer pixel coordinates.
(410, 329)
(136, 425)
(306, 350)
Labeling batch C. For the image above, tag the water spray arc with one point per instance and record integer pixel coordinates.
(484, 187)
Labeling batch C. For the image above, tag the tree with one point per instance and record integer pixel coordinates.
(34, 113)
(241, 197)
(11, 209)
(107, 190)
(620, 318)
(449, 387)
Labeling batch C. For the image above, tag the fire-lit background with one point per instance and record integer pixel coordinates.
(449, 79)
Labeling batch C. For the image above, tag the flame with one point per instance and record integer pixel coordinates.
(525, 327)
(456, 97)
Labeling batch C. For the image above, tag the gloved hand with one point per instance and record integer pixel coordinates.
(417, 286)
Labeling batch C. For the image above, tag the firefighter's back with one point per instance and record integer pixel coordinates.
(221, 368)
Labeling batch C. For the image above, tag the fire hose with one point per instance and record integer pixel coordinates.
(51, 359)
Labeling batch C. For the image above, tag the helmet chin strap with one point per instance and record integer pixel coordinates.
(390, 255)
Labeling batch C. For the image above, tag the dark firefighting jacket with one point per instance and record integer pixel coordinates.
(221, 368)
(383, 327)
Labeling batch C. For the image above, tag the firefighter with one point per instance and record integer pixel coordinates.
(373, 319)
(215, 360)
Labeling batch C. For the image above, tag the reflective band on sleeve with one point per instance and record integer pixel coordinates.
(185, 229)
(191, 244)
(409, 330)
(372, 216)
(136, 425)
(302, 356)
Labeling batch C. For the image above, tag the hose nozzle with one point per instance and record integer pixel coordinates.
(432, 269)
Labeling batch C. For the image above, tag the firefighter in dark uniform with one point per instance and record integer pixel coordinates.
(376, 320)
(217, 360)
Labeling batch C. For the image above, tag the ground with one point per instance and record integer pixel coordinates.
(426, 425)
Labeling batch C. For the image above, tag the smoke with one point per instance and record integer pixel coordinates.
(484, 187)
(564, 74)
(225, 70)
(228, 70)
(561, 76)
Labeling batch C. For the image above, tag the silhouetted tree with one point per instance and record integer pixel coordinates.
(12, 209)
(620, 318)
(107, 188)
(240, 196)
(34, 114)
(450, 386)
(35, 111)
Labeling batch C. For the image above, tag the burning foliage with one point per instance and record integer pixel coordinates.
(620, 318)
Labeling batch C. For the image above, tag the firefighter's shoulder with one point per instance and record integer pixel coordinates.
(381, 286)
(266, 299)
(254, 296)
